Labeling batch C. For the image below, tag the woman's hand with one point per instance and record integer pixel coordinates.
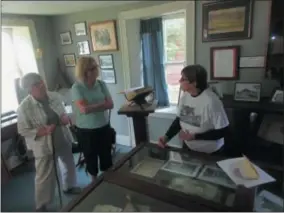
(162, 142)
(186, 135)
(108, 104)
(46, 130)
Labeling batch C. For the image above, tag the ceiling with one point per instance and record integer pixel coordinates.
(55, 7)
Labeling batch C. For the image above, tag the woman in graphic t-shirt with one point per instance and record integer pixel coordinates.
(201, 120)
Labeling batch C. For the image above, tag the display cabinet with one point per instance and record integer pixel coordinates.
(154, 179)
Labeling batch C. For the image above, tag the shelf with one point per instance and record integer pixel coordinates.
(264, 105)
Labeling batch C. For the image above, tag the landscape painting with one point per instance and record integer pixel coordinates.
(247, 92)
(103, 35)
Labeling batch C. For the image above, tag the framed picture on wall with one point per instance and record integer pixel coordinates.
(69, 60)
(216, 87)
(80, 29)
(108, 76)
(224, 63)
(106, 61)
(227, 20)
(65, 38)
(103, 36)
(277, 96)
(83, 48)
(249, 92)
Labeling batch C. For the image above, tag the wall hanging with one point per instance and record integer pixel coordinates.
(227, 20)
(83, 48)
(80, 28)
(65, 38)
(224, 63)
(103, 36)
(69, 60)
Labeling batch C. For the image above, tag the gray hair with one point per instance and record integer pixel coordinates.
(29, 80)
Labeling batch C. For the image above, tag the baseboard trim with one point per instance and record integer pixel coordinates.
(123, 140)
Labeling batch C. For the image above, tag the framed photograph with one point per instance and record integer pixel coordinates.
(108, 76)
(216, 87)
(148, 167)
(252, 62)
(249, 92)
(83, 48)
(65, 38)
(80, 28)
(103, 36)
(267, 202)
(189, 169)
(106, 61)
(224, 63)
(272, 128)
(217, 176)
(227, 20)
(278, 96)
(69, 60)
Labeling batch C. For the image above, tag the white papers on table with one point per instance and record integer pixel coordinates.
(224, 63)
(231, 165)
(148, 167)
(175, 156)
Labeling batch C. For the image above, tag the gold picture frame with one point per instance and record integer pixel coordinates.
(103, 36)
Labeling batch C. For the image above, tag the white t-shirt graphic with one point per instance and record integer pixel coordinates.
(200, 114)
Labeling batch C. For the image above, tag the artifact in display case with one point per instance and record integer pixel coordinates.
(148, 167)
(216, 175)
(196, 187)
(185, 168)
(267, 202)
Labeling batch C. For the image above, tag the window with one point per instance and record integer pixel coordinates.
(17, 59)
(175, 52)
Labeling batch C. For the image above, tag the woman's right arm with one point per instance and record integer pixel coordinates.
(173, 129)
(83, 105)
(26, 130)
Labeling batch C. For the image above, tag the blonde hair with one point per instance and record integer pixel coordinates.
(84, 63)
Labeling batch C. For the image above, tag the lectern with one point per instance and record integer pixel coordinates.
(139, 117)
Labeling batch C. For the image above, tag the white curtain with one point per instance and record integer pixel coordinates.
(17, 59)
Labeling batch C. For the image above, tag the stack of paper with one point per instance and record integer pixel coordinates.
(243, 172)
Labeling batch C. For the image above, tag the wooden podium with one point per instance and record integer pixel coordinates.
(139, 118)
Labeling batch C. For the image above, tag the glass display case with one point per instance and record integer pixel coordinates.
(153, 179)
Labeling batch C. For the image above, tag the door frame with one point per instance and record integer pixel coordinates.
(187, 7)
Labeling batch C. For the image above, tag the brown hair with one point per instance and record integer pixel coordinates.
(196, 73)
(83, 65)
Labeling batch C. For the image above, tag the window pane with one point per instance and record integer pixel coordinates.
(9, 100)
(172, 79)
(174, 33)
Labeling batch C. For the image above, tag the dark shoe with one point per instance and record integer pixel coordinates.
(73, 190)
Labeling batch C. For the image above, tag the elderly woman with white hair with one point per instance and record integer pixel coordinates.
(43, 123)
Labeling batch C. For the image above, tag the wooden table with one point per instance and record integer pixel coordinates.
(139, 118)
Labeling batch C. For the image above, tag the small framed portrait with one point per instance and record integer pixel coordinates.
(65, 38)
(69, 60)
(249, 92)
(106, 61)
(80, 28)
(108, 76)
(83, 48)
(277, 96)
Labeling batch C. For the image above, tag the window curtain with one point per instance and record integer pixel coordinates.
(151, 33)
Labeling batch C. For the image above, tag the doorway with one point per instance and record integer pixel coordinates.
(131, 42)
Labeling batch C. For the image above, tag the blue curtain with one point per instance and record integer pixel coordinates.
(151, 32)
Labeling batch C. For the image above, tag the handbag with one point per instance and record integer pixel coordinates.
(111, 131)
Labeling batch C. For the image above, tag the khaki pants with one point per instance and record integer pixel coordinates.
(45, 179)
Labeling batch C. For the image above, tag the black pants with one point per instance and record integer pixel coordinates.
(95, 143)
